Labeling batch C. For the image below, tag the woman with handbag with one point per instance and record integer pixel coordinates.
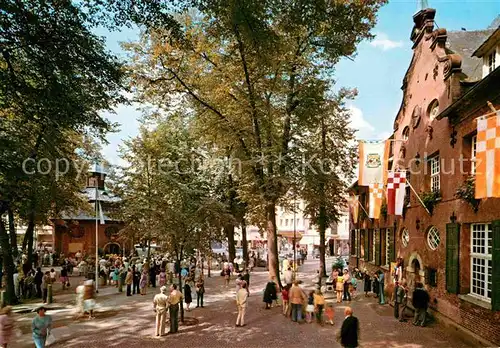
(200, 291)
(41, 326)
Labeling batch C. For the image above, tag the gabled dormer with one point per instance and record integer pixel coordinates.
(489, 51)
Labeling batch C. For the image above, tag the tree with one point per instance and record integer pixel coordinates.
(251, 71)
(332, 157)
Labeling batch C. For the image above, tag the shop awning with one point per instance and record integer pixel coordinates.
(289, 234)
(309, 240)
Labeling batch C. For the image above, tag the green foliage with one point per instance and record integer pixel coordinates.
(430, 199)
(338, 264)
(383, 210)
(467, 192)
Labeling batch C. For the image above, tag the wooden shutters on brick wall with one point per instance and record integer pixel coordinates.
(353, 242)
(366, 242)
(370, 243)
(495, 262)
(390, 240)
(452, 258)
(378, 245)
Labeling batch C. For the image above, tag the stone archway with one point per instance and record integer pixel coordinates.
(112, 248)
(414, 272)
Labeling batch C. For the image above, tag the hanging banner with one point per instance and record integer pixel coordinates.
(375, 200)
(373, 158)
(354, 207)
(488, 157)
(396, 190)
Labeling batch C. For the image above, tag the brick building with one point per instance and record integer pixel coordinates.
(455, 250)
(78, 232)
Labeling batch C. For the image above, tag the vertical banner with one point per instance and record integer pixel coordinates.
(396, 190)
(375, 201)
(488, 157)
(373, 157)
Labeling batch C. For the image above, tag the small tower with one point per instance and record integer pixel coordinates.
(96, 177)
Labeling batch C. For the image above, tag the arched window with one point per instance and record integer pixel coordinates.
(433, 109)
(433, 238)
(405, 237)
(406, 133)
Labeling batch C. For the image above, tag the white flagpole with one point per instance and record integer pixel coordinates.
(361, 205)
(96, 241)
(419, 199)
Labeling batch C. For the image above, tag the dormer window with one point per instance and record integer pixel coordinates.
(491, 61)
(433, 109)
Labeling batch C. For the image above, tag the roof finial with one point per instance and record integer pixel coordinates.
(422, 5)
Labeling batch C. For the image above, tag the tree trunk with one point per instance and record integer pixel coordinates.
(245, 242)
(8, 262)
(322, 232)
(272, 244)
(12, 233)
(229, 231)
(149, 249)
(28, 238)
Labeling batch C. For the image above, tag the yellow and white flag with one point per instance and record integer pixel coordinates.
(373, 158)
(488, 157)
(375, 200)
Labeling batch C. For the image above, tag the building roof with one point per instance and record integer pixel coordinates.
(102, 195)
(488, 44)
(465, 44)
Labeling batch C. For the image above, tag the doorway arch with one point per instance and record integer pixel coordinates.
(414, 272)
(112, 248)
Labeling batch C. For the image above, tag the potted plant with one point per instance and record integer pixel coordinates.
(430, 199)
(466, 192)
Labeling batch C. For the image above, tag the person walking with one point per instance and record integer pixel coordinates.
(226, 273)
(241, 304)
(420, 302)
(163, 277)
(136, 280)
(269, 294)
(160, 306)
(174, 299)
(380, 276)
(367, 283)
(40, 327)
(310, 307)
(347, 281)
(129, 279)
(350, 330)
(339, 287)
(152, 275)
(187, 296)
(288, 277)
(38, 282)
(45, 285)
(319, 306)
(297, 298)
(144, 282)
(200, 291)
(6, 326)
(286, 302)
(401, 300)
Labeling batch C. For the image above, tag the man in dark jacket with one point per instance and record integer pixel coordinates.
(136, 280)
(350, 330)
(38, 282)
(420, 302)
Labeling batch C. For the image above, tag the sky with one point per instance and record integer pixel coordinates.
(377, 70)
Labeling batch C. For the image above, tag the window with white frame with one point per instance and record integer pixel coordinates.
(481, 264)
(433, 238)
(387, 246)
(286, 222)
(473, 155)
(281, 222)
(491, 61)
(405, 237)
(435, 170)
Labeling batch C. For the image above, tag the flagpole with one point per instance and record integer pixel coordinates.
(96, 242)
(361, 205)
(419, 199)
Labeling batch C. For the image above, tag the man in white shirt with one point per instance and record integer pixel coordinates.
(288, 276)
(160, 306)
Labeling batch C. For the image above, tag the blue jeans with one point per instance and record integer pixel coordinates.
(296, 312)
(39, 341)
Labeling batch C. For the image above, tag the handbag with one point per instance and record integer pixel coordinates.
(51, 339)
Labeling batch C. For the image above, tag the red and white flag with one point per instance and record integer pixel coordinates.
(396, 189)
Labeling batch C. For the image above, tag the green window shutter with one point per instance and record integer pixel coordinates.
(378, 254)
(390, 232)
(452, 257)
(393, 245)
(495, 262)
(353, 241)
(370, 243)
(367, 244)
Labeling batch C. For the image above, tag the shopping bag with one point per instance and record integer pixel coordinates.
(51, 339)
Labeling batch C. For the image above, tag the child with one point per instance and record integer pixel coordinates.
(284, 296)
(330, 314)
(310, 307)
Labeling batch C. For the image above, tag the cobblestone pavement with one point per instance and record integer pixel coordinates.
(129, 322)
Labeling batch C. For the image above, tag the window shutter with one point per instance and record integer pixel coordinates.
(452, 257)
(353, 241)
(378, 254)
(495, 262)
(367, 244)
(392, 249)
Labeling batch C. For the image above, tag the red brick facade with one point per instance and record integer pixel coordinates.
(436, 73)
